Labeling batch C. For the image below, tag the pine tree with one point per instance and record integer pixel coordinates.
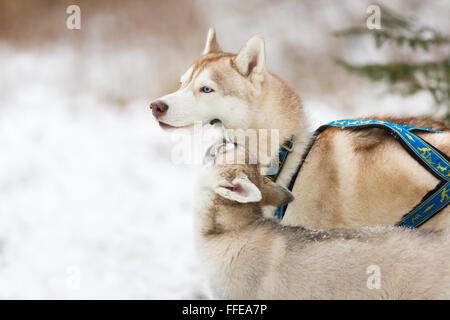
(406, 78)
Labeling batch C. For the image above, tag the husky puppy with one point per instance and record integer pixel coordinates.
(350, 178)
(247, 256)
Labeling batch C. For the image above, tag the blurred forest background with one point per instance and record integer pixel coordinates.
(91, 206)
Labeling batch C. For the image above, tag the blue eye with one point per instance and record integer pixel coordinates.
(206, 90)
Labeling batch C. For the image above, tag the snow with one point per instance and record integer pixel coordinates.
(90, 203)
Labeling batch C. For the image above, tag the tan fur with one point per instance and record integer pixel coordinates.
(249, 257)
(350, 178)
(357, 178)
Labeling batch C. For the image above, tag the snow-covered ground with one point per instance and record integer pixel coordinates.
(90, 204)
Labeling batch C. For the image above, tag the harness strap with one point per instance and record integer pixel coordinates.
(432, 159)
(276, 166)
(275, 169)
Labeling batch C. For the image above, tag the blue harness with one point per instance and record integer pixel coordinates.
(436, 162)
(275, 170)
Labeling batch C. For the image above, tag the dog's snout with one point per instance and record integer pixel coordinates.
(159, 108)
(214, 121)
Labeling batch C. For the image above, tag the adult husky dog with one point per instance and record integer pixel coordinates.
(350, 178)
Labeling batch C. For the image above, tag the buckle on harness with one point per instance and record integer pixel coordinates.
(288, 149)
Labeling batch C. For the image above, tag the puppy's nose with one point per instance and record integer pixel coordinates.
(214, 121)
(159, 108)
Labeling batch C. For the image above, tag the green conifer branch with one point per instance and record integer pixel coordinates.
(404, 77)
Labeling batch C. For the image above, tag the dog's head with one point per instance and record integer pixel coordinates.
(218, 85)
(233, 173)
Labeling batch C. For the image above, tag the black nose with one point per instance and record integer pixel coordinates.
(213, 121)
(159, 108)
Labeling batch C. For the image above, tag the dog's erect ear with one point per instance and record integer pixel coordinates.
(274, 195)
(252, 57)
(241, 189)
(211, 45)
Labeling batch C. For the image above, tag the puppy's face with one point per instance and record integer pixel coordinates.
(220, 150)
(234, 174)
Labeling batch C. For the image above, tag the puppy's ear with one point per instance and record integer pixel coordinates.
(274, 195)
(241, 189)
(251, 59)
(211, 45)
